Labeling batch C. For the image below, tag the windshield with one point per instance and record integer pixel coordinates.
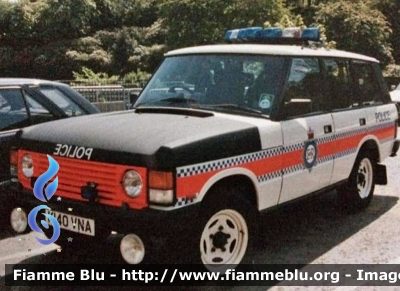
(245, 83)
(62, 101)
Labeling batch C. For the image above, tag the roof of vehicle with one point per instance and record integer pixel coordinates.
(72, 93)
(267, 49)
(23, 81)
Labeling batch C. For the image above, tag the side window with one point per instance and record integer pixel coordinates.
(339, 83)
(35, 107)
(304, 93)
(12, 109)
(62, 101)
(261, 93)
(366, 85)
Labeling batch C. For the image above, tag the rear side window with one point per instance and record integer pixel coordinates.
(35, 107)
(339, 83)
(366, 84)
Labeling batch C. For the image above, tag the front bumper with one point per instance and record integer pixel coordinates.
(143, 222)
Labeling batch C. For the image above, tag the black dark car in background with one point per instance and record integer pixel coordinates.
(25, 102)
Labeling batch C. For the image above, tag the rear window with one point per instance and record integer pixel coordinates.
(367, 90)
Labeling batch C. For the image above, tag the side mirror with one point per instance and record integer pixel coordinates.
(392, 87)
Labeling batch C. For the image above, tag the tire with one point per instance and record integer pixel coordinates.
(228, 229)
(357, 194)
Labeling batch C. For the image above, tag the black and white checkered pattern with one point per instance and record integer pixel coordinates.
(363, 130)
(381, 126)
(292, 169)
(325, 139)
(350, 133)
(325, 159)
(292, 147)
(346, 153)
(243, 159)
(347, 134)
(185, 201)
(226, 163)
(269, 176)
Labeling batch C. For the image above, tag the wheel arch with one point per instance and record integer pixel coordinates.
(370, 144)
(233, 178)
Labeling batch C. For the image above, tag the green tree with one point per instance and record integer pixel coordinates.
(17, 21)
(138, 13)
(66, 19)
(391, 10)
(194, 22)
(357, 27)
(52, 38)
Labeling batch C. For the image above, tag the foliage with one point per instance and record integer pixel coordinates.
(356, 27)
(65, 19)
(297, 21)
(53, 38)
(391, 10)
(95, 78)
(392, 71)
(89, 76)
(205, 21)
(139, 78)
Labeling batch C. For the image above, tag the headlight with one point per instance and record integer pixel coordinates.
(27, 166)
(132, 183)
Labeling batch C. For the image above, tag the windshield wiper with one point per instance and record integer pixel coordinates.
(178, 99)
(234, 107)
(175, 99)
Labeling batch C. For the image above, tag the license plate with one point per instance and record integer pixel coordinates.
(73, 223)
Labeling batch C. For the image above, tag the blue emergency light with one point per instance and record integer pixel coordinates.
(311, 33)
(272, 35)
(271, 32)
(243, 34)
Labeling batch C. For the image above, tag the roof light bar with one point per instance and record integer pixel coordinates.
(291, 35)
(243, 34)
(231, 35)
(271, 32)
(249, 33)
(311, 33)
(292, 32)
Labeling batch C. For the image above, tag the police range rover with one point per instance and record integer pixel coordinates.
(219, 135)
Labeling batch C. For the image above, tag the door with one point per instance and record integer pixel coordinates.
(13, 109)
(358, 111)
(307, 129)
(18, 109)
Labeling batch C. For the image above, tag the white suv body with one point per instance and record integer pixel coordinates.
(219, 135)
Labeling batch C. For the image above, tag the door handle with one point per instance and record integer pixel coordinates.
(327, 129)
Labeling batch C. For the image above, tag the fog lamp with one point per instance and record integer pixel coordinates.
(132, 249)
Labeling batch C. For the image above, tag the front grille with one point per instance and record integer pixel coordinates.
(73, 174)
